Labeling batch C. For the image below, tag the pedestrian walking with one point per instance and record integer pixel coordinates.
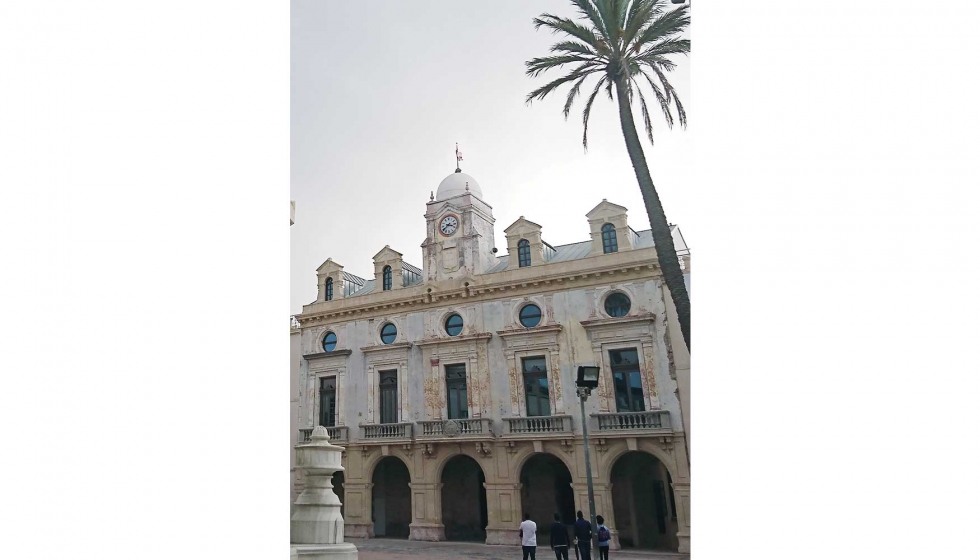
(529, 538)
(603, 536)
(583, 536)
(559, 539)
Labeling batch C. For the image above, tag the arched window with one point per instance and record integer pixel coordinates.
(386, 278)
(523, 253)
(609, 244)
(329, 289)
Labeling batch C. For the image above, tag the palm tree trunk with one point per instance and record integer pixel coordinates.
(662, 239)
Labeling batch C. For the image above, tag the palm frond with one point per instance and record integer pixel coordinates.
(587, 9)
(663, 99)
(544, 90)
(664, 63)
(609, 90)
(569, 27)
(572, 94)
(666, 25)
(641, 11)
(536, 66)
(573, 47)
(609, 16)
(587, 111)
(646, 115)
(671, 95)
(669, 46)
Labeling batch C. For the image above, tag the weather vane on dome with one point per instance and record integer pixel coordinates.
(459, 158)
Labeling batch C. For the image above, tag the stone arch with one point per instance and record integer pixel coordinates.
(546, 489)
(391, 497)
(613, 455)
(523, 456)
(643, 501)
(435, 473)
(463, 498)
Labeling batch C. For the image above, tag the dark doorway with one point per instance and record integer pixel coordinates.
(391, 499)
(546, 489)
(643, 502)
(464, 500)
(338, 488)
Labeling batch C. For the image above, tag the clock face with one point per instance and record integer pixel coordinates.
(448, 225)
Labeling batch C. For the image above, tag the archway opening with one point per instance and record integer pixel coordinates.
(546, 489)
(642, 494)
(464, 500)
(391, 499)
(337, 480)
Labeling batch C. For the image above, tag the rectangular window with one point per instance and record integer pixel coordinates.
(328, 401)
(535, 372)
(627, 382)
(456, 392)
(389, 396)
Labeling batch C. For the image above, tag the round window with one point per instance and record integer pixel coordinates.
(388, 333)
(530, 315)
(454, 324)
(617, 304)
(329, 342)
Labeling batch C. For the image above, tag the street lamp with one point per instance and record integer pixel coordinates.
(588, 379)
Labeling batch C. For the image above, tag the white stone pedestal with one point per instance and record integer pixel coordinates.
(316, 529)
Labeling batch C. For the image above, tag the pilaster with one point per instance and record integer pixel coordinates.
(503, 512)
(426, 512)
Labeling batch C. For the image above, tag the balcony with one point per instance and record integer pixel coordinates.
(467, 429)
(386, 432)
(336, 433)
(538, 426)
(633, 423)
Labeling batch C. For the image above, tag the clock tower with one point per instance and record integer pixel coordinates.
(459, 230)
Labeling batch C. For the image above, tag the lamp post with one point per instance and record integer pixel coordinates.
(588, 379)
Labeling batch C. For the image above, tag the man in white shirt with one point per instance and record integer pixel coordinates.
(529, 538)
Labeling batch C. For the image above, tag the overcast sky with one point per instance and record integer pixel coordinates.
(383, 90)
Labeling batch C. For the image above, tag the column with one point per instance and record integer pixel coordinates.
(426, 512)
(503, 513)
(682, 498)
(357, 510)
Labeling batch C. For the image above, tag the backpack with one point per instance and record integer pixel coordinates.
(603, 533)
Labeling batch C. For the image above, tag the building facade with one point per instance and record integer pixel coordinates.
(452, 385)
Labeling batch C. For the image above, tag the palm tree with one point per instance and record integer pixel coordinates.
(624, 43)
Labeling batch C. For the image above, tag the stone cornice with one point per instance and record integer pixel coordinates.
(382, 347)
(617, 321)
(506, 333)
(333, 354)
(455, 339)
(541, 278)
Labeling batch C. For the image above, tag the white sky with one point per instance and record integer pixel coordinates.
(382, 91)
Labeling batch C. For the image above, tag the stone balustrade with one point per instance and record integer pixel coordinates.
(401, 430)
(336, 433)
(463, 428)
(633, 422)
(538, 425)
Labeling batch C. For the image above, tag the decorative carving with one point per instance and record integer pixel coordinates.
(450, 428)
(428, 450)
(484, 449)
(600, 445)
(511, 447)
(568, 446)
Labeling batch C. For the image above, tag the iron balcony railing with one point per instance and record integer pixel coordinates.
(401, 430)
(538, 425)
(470, 427)
(336, 433)
(633, 421)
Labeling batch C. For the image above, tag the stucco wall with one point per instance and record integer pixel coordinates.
(567, 308)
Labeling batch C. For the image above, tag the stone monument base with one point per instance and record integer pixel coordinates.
(343, 551)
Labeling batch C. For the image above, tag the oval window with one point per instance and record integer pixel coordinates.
(617, 304)
(329, 342)
(454, 324)
(530, 315)
(388, 333)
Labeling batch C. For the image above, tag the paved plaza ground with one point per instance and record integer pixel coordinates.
(393, 549)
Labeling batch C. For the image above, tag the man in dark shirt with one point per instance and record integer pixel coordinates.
(583, 532)
(559, 539)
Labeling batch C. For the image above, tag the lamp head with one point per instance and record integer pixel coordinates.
(588, 377)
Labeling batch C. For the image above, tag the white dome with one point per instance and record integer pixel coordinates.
(455, 185)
